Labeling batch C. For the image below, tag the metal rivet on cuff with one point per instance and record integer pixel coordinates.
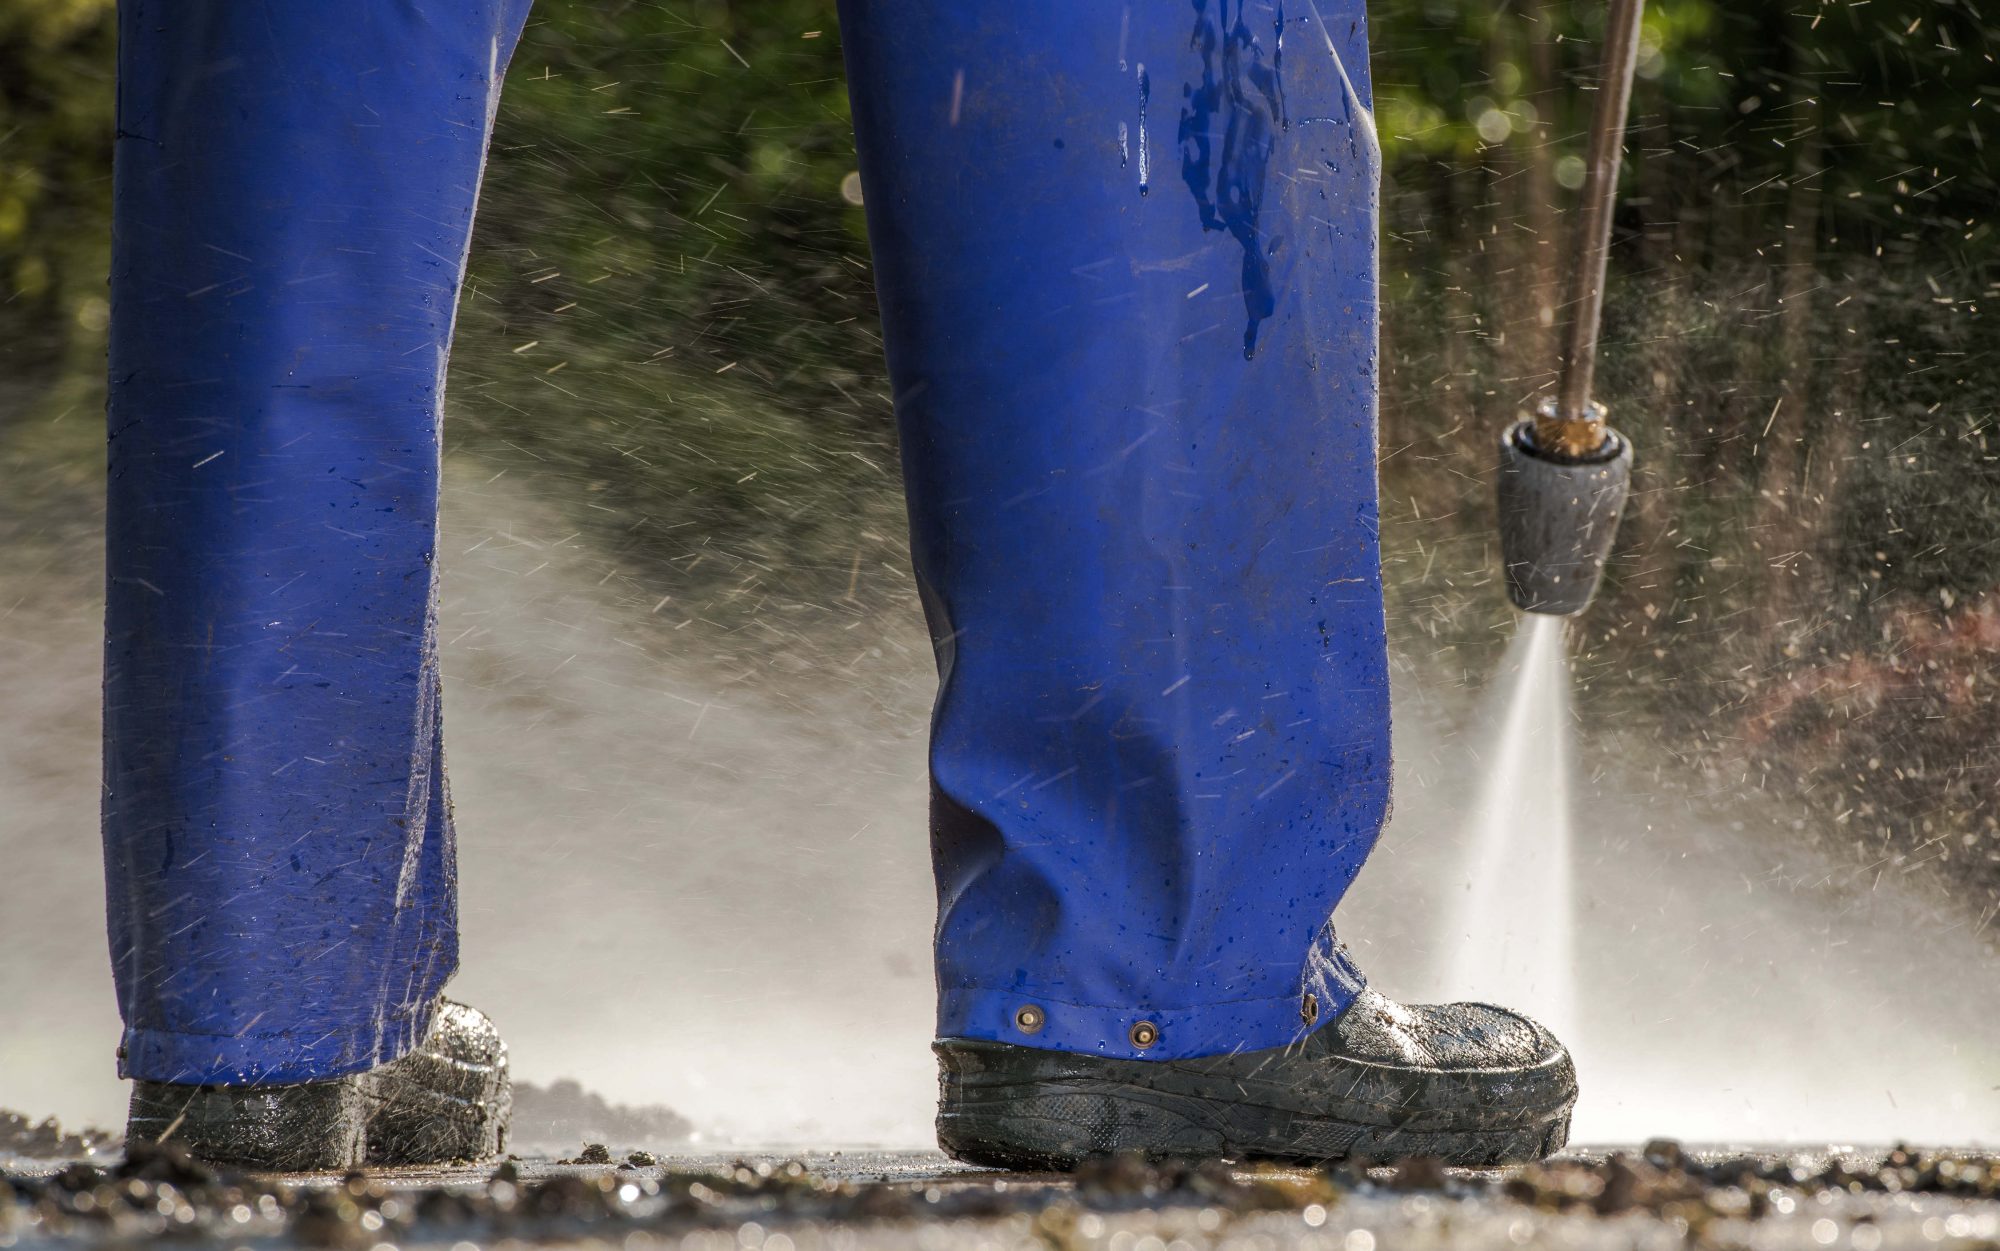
(1145, 1034)
(1309, 1008)
(1029, 1019)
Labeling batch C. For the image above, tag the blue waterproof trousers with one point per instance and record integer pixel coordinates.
(1126, 262)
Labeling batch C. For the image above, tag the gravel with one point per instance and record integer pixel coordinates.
(1660, 1195)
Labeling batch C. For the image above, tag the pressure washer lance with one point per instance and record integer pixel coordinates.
(1564, 471)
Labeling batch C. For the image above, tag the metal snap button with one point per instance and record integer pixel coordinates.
(1145, 1034)
(1029, 1019)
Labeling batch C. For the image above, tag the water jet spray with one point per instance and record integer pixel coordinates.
(1563, 478)
(1564, 471)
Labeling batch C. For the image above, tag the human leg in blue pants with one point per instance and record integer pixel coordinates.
(1126, 261)
(1126, 267)
(294, 193)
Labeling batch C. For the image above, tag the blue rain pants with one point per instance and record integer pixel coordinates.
(1126, 262)
(293, 194)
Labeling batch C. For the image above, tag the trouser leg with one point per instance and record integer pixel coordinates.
(294, 191)
(1126, 260)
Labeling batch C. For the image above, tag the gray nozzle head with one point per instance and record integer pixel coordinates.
(1557, 519)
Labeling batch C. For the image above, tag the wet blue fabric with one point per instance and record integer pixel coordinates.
(294, 191)
(1126, 261)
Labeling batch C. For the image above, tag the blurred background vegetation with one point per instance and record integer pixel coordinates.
(670, 316)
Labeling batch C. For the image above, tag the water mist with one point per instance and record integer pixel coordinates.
(1511, 937)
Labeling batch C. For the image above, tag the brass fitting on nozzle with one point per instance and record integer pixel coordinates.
(1562, 487)
(1575, 437)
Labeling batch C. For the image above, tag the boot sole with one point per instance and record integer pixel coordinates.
(1012, 1107)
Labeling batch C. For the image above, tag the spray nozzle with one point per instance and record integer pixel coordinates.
(1562, 487)
(1564, 471)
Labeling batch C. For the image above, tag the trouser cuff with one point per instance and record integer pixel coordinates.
(1029, 1019)
(271, 1059)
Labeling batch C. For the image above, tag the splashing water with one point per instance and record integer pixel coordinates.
(1510, 939)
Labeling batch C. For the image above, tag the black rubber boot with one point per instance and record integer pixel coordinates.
(445, 1102)
(1469, 1084)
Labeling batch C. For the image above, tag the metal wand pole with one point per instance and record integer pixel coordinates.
(1575, 427)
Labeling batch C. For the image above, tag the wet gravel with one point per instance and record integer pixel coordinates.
(47, 1139)
(1661, 1195)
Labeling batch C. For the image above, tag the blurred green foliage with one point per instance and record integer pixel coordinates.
(56, 70)
(696, 148)
(703, 143)
(670, 300)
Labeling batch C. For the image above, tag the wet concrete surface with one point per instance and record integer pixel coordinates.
(1655, 1196)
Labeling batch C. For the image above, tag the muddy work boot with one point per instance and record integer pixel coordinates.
(446, 1101)
(1469, 1084)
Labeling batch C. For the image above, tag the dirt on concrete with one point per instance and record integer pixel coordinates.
(47, 1139)
(1662, 1194)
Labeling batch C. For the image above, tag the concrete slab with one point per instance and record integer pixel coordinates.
(779, 1201)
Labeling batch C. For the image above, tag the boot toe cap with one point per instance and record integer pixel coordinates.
(1451, 1037)
(1483, 1036)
